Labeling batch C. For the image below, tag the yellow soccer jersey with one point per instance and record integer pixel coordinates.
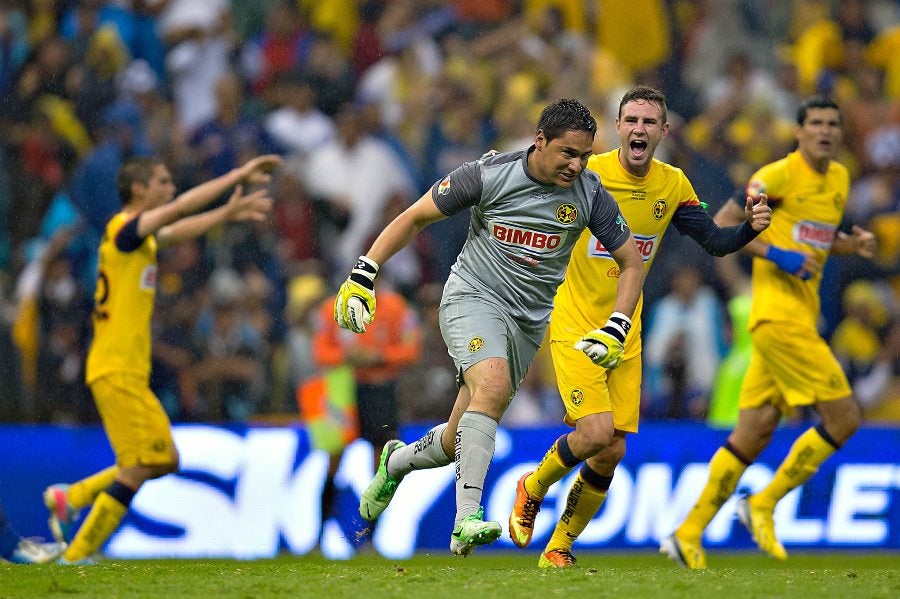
(807, 209)
(586, 297)
(123, 305)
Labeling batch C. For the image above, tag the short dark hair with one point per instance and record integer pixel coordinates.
(135, 170)
(648, 94)
(566, 115)
(816, 102)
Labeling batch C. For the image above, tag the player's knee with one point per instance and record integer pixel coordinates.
(594, 436)
(614, 452)
(843, 422)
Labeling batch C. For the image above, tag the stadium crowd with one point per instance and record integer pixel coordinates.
(370, 102)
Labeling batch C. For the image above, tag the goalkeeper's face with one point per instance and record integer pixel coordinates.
(640, 128)
(561, 160)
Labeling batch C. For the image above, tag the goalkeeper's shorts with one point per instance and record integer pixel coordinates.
(790, 366)
(475, 330)
(135, 422)
(589, 389)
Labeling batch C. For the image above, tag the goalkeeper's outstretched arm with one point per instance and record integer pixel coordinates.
(354, 305)
(403, 229)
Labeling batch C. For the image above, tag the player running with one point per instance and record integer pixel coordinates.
(528, 209)
(603, 404)
(118, 362)
(790, 365)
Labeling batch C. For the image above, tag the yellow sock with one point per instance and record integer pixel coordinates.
(101, 522)
(725, 470)
(84, 492)
(551, 470)
(582, 503)
(802, 461)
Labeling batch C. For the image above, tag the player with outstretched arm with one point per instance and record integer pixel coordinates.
(603, 406)
(118, 362)
(528, 209)
(790, 365)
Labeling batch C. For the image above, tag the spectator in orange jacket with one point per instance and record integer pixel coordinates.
(390, 344)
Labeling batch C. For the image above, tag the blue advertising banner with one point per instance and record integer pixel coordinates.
(253, 492)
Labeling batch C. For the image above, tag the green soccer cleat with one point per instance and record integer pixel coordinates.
(761, 524)
(684, 553)
(380, 491)
(473, 531)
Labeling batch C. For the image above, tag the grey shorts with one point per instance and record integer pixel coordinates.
(475, 330)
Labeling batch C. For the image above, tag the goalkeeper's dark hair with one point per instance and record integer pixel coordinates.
(566, 115)
(648, 94)
(817, 102)
(138, 169)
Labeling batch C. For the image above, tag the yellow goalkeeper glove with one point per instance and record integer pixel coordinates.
(606, 346)
(354, 306)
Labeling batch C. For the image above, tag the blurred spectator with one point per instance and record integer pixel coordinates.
(297, 219)
(14, 43)
(230, 371)
(377, 177)
(12, 395)
(232, 136)
(279, 49)
(135, 21)
(391, 343)
(368, 47)
(328, 71)
(867, 342)
(682, 348)
(93, 185)
(296, 124)
(200, 39)
(97, 78)
(305, 293)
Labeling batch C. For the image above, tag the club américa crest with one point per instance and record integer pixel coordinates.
(475, 344)
(576, 397)
(566, 213)
(660, 207)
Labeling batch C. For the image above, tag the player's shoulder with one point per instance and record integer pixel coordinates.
(494, 158)
(598, 162)
(117, 221)
(773, 175)
(667, 171)
(839, 169)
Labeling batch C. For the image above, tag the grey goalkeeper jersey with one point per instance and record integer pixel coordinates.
(522, 231)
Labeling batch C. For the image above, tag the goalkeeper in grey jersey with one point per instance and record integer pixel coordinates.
(528, 209)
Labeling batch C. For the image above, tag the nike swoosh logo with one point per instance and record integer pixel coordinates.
(468, 486)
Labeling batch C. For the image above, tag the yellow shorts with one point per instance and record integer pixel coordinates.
(790, 366)
(589, 389)
(137, 426)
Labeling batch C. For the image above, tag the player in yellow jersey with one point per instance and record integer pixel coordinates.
(603, 404)
(790, 365)
(118, 362)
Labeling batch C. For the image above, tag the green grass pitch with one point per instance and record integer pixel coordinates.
(731, 576)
